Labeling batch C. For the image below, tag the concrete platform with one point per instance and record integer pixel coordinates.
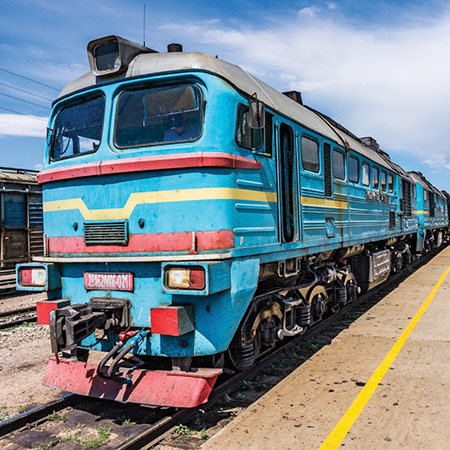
(410, 406)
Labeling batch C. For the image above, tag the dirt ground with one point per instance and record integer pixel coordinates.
(24, 352)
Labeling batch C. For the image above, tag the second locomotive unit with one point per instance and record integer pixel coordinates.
(194, 217)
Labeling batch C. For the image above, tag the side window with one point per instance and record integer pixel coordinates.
(246, 136)
(338, 164)
(310, 154)
(425, 195)
(365, 174)
(353, 169)
(383, 181)
(390, 183)
(375, 183)
(414, 190)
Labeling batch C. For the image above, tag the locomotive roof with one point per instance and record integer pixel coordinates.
(154, 63)
(419, 178)
(17, 176)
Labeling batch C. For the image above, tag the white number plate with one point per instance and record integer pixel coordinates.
(109, 281)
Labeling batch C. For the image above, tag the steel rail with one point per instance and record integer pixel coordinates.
(17, 322)
(36, 414)
(156, 432)
(13, 312)
(164, 426)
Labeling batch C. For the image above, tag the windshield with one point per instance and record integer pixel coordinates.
(77, 129)
(158, 115)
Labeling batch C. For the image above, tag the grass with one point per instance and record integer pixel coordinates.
(24, 408)
(102, 438)
(184, 430)
(4, 414)
(313, 346)
(124, 420)
(54, 416)
(198, 423)
(247, 386)
(203, 435)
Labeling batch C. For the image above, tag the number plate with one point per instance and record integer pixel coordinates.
(109, 281)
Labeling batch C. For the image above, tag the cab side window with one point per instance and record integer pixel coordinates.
(310, 154)
(390, 183)
(338, 165)
(365, 174)
(353, 169)
(375, 183)
(383, 181)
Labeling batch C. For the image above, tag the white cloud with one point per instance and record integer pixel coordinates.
(309, 11)
(18, 125)
(389, 82)
(37, 166)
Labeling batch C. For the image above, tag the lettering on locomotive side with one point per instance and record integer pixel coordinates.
(109, 281)
(377, 196)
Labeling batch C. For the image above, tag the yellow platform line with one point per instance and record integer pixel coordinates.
(335, 438)
(142, 198)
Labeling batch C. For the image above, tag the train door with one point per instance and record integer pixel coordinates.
(287, 184)
(14, 226)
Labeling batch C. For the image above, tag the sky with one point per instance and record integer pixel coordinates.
(381, 68)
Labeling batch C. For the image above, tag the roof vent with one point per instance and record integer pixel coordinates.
(294, 95)
(371, 142)
(174, 48)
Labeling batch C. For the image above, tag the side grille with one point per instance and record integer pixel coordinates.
(106, 232)
(392, 220)
(432, 204)
(327, 170)
(405, 201)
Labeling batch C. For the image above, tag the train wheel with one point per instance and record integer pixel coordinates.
(317, 299)
(352, 287)
(249, 343)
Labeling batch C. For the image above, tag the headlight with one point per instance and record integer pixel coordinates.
(33, 276)
(185, 278)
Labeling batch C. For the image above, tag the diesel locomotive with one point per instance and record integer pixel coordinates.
(194, 217)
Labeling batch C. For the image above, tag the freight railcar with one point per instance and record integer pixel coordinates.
(21, 216)
(194, 217)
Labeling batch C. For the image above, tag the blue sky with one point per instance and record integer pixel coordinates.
(381, 68)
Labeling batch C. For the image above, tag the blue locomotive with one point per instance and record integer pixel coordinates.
(194, 217)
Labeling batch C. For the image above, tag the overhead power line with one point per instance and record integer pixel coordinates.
(26, 92)
(29, 79)
(25, 101)
(23, 114)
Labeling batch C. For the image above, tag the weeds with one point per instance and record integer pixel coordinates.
(198, 422)
(203, 435)
(4, 414)
(247, 386)
(24, 408)
(102, 438)
(184, 430)
(54, 417)
(124, 420)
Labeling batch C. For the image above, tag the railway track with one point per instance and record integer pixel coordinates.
(7, 282)
(147, 426)
(17, 317)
